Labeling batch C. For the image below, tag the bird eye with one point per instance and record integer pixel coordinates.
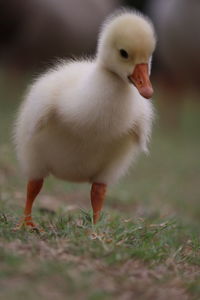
(123, 53)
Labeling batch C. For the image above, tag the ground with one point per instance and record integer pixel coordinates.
(146, 245)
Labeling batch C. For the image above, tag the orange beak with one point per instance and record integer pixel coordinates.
(140, 79)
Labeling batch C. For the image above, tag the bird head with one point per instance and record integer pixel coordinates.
(126, 44)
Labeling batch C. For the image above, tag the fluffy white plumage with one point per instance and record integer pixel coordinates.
(83, 120)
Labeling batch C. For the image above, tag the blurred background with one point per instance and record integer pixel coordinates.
(35, 33)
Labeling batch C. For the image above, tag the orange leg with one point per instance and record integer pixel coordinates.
(33, 189)
(98, 192)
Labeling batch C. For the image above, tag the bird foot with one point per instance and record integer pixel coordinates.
(96, 217)
(27, 223)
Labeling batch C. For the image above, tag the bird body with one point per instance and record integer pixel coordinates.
(83, 121)
(87, 133)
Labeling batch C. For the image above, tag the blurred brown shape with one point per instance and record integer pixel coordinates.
(33, 32)
(177, 24)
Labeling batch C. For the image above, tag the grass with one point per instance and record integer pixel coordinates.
(146, 245)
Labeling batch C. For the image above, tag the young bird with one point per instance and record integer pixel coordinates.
(86, 121)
